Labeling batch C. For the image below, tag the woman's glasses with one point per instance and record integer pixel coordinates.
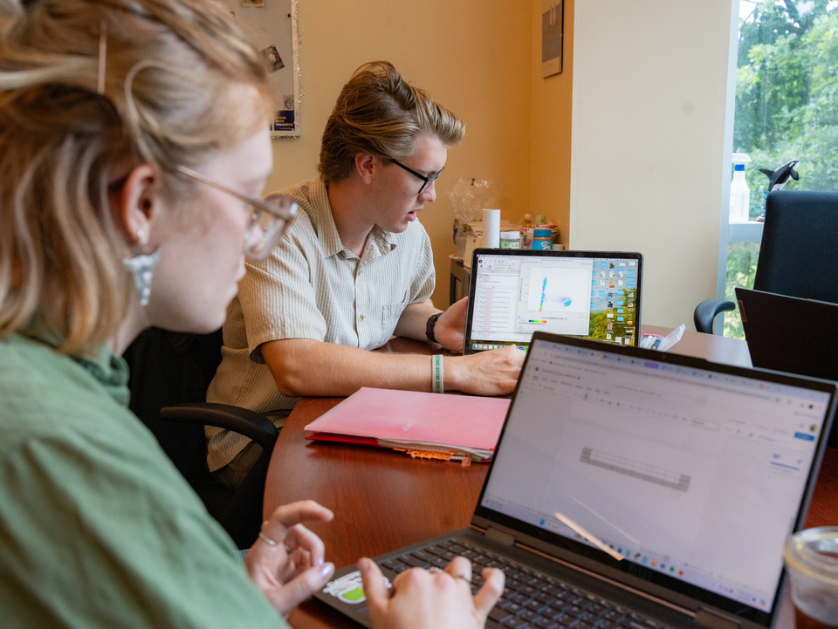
(272, 216)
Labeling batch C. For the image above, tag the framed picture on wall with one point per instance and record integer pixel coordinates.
(552, 27)
(272, 28)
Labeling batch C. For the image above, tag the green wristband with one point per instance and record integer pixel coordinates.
(436, 368)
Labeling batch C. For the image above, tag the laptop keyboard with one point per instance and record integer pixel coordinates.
(530, 599)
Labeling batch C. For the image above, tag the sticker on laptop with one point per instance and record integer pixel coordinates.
(349, 588)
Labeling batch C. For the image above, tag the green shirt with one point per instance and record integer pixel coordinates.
(97, 527)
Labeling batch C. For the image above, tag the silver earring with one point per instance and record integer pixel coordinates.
(142, 268)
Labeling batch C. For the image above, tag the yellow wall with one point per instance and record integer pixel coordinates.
(551, 124)
(656, 90)
(473, 56)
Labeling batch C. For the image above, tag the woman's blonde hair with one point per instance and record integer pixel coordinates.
(380, 113)
(166, 92)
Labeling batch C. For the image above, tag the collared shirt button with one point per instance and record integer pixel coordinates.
(361, 318)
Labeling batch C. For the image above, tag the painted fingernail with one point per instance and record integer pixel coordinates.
(320, 561)
(327, 570)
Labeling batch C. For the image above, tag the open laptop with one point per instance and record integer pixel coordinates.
(515, 292)
(789, 333)
(635, 489)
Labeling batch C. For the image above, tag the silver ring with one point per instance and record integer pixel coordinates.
(265, 538)
(436, 570)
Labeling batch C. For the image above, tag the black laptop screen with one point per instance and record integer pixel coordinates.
(696, 474)
(586, 294)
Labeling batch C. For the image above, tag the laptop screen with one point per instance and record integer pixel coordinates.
(580, 293)
(677, 467)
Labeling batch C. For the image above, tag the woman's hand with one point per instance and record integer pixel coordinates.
(421, 599)
(286, 562)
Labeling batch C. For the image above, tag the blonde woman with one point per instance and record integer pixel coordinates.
(134, 146)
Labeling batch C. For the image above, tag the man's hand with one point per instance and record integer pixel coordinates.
(290, 569)
(450, 328)
(486, 373)
(420, 599)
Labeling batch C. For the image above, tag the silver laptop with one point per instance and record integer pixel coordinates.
(635, 489)
(515, 292)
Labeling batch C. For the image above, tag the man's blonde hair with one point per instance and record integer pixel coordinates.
(380, 113)
(175, 74)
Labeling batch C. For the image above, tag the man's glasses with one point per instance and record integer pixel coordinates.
(426, 179)
(272, 216)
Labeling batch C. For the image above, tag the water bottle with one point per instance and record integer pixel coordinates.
(740, 193)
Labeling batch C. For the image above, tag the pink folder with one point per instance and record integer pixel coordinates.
(415, 421)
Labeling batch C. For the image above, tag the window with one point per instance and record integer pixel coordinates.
(786, 108)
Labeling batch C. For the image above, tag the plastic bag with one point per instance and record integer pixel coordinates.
(662, 343)
(469, 198)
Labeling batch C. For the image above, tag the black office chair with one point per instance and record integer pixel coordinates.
(797, 256)
(170, 373)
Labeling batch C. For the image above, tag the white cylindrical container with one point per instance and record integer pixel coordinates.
(491, 228)
(740, 195)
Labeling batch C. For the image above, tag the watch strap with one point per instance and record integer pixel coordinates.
(429, 327)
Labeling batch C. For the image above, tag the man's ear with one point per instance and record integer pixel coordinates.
(138, 205)
(366, 165)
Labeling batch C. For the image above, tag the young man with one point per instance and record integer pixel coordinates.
(354, 269)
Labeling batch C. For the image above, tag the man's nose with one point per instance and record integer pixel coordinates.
(429, 193)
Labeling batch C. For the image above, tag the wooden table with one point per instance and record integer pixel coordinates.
(383, 500)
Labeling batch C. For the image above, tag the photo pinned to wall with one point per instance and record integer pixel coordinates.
(273, 59)
(272, 28)
(552, 27)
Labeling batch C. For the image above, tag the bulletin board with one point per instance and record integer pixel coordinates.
(552, 34)
(271, 26)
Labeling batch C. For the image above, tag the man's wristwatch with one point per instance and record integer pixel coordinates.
(429, 327)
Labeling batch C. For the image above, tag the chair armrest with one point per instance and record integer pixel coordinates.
(249, 423)
(706, 312)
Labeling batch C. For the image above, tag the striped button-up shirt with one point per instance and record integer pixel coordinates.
(312, 287)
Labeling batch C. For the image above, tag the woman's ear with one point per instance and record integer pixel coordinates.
(138, 205)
